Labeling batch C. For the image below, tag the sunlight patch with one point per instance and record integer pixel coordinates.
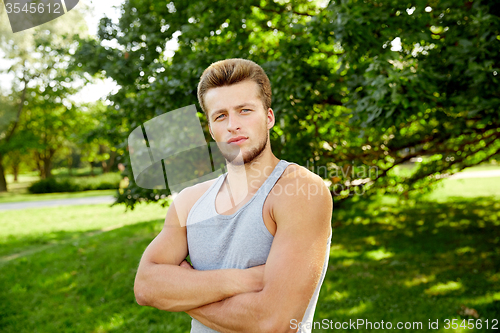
(465, 249)
(419, 279)
(116, 321)
(444, 288)
(484, 299)
(379, 254)
(336, 296)
(362, 307)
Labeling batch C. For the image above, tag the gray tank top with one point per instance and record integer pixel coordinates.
(240, 240)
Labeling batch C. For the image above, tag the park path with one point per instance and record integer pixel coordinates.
(110, 199)
(59, 202)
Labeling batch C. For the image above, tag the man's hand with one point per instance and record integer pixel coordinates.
(185, 264)
(255, 278)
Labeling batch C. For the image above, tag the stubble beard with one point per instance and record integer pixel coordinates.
(256, 151)
(230, 154)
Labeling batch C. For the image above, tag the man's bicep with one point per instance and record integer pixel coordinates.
(170, 245)
(295, 262)
(292, 272)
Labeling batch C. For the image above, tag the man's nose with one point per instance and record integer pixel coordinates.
(233, 123)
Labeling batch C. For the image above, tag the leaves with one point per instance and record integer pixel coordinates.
(377, 82)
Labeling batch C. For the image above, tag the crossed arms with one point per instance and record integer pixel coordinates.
(261, 299)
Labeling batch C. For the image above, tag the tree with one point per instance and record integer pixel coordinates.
(41, 83)
(95, 139)
(357, 85)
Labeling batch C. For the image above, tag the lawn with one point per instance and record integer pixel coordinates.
(406, 170)
(414, 262)
(71, 269)
(18, 191)
(81, 278)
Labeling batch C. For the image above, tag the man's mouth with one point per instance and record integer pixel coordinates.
(237, 140)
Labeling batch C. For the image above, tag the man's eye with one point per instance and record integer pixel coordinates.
(246, 110)
(218, 117)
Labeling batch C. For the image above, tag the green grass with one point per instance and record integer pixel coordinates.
(406, 170)
(72, 268)
(414, 262)
(82, 279)
(27, 178)
(483, 167)
(448, 189)
(22, 184)
(24, 230)
(18, 191)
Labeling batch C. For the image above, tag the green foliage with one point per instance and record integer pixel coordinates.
(75, 184)
(344, 94)
(97, 133)
(38, 115)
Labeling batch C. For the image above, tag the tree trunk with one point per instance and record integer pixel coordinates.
(16, 161)
(44, 163)
(112, 157)
(72, 161)
(15, 171)
(10, 133)
(70, 164)
(47, 167)
(39, 164)
(3, 182)
(104, 166)
(110, 163)
(47, 163)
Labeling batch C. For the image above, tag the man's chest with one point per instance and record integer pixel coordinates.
(225, 204)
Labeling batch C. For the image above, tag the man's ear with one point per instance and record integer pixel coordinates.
(270, 118)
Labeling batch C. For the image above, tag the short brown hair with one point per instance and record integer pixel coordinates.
(231, 71)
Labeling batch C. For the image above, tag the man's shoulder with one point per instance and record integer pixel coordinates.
(185, 199)
(299, 187)
(197, 190)
(296, 175)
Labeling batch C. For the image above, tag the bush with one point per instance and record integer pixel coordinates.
(108, 181)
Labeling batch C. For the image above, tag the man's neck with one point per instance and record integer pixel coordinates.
(246, 179)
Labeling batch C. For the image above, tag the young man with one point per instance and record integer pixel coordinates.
(258, 236)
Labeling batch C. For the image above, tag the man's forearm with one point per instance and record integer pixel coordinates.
(174, 288)
(240, 313)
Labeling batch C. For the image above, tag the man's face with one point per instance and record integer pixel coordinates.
(237, 111)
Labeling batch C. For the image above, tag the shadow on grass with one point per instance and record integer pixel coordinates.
(85, 285)
(414, 261)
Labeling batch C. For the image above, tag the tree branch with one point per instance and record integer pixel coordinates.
(284, 11)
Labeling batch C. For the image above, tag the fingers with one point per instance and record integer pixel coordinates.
(185, 264)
